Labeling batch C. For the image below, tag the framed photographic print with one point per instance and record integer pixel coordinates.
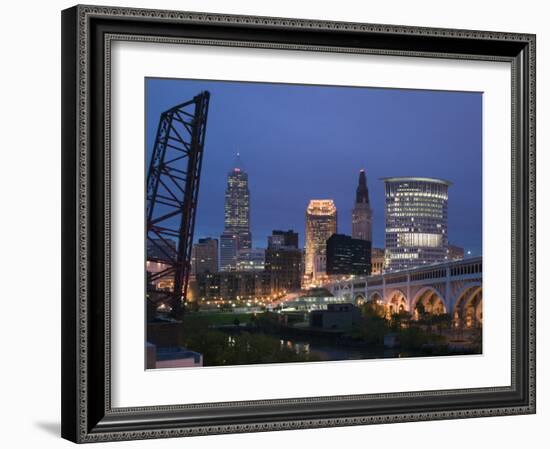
(285, 223)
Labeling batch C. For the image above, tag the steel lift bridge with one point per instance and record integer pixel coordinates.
(172, 191)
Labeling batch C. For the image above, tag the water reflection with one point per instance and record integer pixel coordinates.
(299, 348)
(326, 350)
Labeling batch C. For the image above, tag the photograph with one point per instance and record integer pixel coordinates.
(280, 222)
(310, 223)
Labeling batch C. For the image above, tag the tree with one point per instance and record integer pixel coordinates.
(400, 320)
(420, 309)
(373, 309)
(442, 321)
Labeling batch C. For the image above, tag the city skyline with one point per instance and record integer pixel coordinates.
(276, 205)
(297, 221)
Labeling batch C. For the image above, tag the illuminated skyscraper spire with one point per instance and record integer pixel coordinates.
(361, 216)
(238, 163)
(362, 192)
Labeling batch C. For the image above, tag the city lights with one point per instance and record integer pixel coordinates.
(417, 222)
(312, 285)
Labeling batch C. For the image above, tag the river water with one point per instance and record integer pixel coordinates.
(329, 349)
(325, 350)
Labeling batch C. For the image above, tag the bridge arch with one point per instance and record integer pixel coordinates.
(430, 300)
(359, 299)
(376, 297)
(396, 302)
(468, 308)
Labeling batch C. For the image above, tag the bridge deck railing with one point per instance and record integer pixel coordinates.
(466, 268)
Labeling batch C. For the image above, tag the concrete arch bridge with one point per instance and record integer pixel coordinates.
(453, 287)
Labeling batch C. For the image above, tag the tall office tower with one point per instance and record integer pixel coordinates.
(416, 222)
(361, 216)
(204, 256)
(321, 223)
(346, 255)
(237, 207)
(236, 234)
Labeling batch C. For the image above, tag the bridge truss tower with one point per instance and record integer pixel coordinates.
(172, 191)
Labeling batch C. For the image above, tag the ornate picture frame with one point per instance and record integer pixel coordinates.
(87, 35)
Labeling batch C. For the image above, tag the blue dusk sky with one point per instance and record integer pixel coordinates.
(299, 142)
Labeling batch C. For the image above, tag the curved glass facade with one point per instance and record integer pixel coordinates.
(416, 222)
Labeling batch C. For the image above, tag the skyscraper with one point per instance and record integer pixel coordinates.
(416, 221)
(361, 216)
(204, 256)
(236, 235)
(321, 223)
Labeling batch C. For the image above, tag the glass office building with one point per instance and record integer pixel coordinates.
(415, 222)
(237, 207)
(236, 235)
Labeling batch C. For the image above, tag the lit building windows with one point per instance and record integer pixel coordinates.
(236, 235)
(321, 218)
(416, 224)
(420, 240)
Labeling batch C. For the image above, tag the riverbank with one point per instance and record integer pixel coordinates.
(228, 338)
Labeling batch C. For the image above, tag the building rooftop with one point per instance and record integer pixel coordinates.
(415, 178)
(321, 207)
